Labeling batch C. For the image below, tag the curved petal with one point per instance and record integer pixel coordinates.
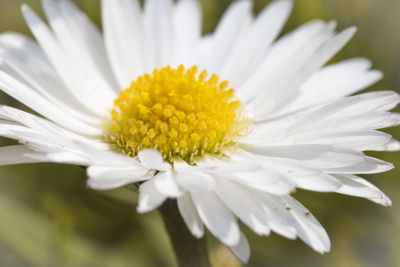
(243, 205)
(320, 183)
(233, 24)
(25, 57)
(313, 156)
(15, 154)
(279, 218)
(149, 197)
(152, 159)
(217, 217)
(166, 183)
(242, 249)
(251, 48)
(272, 181)
(190, 215)
(195, 182)
(29, 97)
(302, 71)
(75, 80)
(82, 43)
(356, 186)
(106, 178)
(334, 81)
(368, 166)
(308, 228)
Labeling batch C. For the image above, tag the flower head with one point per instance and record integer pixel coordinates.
(229, 124)
(182, 114)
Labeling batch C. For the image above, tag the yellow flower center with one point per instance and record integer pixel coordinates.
(181, 113)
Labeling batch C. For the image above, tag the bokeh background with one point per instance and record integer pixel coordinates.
(49, 218)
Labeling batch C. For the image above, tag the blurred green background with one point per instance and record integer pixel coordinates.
(49, 218)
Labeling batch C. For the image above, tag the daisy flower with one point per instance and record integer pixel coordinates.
(229, 124)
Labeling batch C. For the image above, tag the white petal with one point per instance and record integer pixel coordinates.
(75, 80)
(41, 125)
(27, 59)
(393, 146)
(320, 183)
(242, 249)
(313, 156)
(214, 165)
(217, 217)
(33, 100)
(187, 31)
(158, 25)
(375, 101)
(190, 215)
(34, 138)
(284, 60)
(152, 159)
(368, 166)
(279, 218)
(243, 205)
(255, 44)
(43, 135)
(308, 228)
(105, 177)
(356, 186)
(82, 43)
(357, 140)
(348, 114)
(62, 157)
(166, 183)
(291, 43)
(195, 182)
(15, 154)
(269, 181)
(393, 120)
(334, 81)
(285, 167)
(323, 113)
(271, 126)
(324, 54)
(305, 70)
(107, 158)
(149, 197)
(121, 21)
(233, 23)
(366, 121)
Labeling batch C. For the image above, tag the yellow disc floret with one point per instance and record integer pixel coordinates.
(181, 113)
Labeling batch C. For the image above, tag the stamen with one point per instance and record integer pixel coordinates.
(178, 112)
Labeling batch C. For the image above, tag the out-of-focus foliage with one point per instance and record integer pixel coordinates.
(49, 218)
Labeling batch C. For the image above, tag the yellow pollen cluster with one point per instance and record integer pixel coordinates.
(181, 113)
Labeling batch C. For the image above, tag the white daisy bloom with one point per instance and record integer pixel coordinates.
(149, 102)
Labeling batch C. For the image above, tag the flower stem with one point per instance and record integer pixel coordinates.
(189, 251)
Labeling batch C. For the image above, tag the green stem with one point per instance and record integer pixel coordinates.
(189, 251)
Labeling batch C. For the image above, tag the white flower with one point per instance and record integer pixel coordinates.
(223, 154)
